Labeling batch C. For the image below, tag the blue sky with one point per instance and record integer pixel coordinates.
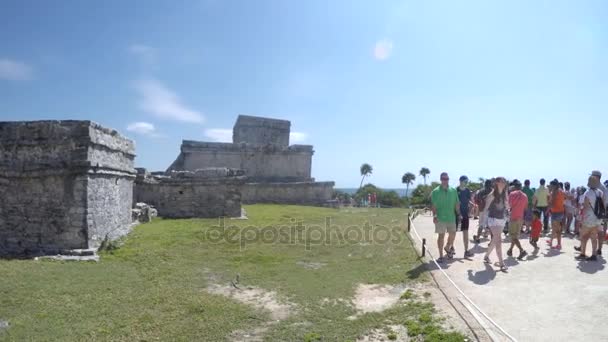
(483, 88)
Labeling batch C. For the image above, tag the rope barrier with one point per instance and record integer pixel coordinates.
(413, 227)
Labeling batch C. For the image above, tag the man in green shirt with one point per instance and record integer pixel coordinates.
(528, 212)
(445, 206)
(541, 202)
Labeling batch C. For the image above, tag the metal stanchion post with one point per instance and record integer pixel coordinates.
(423, 247)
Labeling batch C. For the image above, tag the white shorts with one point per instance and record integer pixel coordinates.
(495, 222)
(569, 210)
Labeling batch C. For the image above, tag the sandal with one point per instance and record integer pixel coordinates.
(449, 253)
(503, 268)
(487, 260)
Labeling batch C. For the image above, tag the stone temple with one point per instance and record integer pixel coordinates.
(68, 186)
(275, 171)
(64, 185)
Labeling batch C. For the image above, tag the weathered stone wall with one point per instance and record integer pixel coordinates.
(61, 185)
(260, 163)
(255, 130)
(204, 193)
(109, 202)
(45, 213)
(304, 193)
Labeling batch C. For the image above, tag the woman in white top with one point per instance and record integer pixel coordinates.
(497, 206)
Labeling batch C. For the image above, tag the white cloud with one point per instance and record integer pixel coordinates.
(14, 71)
(225, 135)
(383, 49)
(141, 49)
(146, 53)
(297, 137)
(219, 134)
(160, 101)
(143, 128)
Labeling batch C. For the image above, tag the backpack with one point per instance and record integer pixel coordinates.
(480, 198)
(599, 209)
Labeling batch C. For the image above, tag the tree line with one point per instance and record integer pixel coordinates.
(420, 196)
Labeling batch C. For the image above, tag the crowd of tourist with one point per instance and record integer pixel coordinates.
(514, 208)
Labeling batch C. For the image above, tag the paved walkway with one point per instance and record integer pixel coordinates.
(549, 296)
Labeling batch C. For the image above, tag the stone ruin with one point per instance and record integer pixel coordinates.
(276, 172)
(64, 185)
(69, 186)
(211, 192)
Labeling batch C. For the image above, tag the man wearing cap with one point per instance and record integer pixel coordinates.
(602, 228)
(518, 201)
(464, 197)
(445, 208)
(541, 201)
(591, 223)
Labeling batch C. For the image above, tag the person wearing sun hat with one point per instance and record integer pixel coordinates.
(602, 233)
(591, 223)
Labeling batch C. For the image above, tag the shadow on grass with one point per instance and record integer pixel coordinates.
(482, 277)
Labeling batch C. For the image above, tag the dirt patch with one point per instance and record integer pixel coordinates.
(334, 302)
(259, 298)
(376, 298)
(398, 332)
(253, 335)
(311, 265)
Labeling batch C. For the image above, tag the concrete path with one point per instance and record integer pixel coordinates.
(549, 296)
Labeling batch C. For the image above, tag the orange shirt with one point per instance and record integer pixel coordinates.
(558, 199)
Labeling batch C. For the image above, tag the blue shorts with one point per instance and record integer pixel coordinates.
(557, 217)
(528, 215)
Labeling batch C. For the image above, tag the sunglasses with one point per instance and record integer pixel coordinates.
(445, 179)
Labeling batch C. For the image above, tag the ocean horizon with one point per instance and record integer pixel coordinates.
(352, 191)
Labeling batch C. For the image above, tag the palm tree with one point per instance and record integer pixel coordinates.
(424, 172)
(366, 170)
(408, 178)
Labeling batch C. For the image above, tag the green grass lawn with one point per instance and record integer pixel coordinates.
(153, 286)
